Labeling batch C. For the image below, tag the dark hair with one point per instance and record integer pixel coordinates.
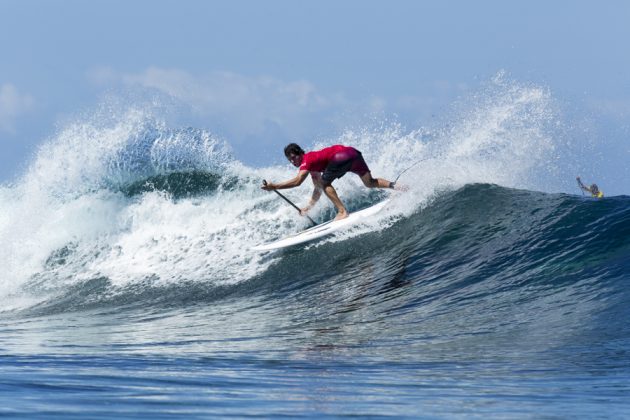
(293, 148)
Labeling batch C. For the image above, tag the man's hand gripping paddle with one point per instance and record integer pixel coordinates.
(290, 202)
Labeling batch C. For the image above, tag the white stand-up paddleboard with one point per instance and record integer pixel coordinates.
(321, 230)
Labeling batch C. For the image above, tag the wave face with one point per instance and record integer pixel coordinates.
(120, 196)
(481, 270)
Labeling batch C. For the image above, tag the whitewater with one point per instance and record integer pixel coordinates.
(491, 287)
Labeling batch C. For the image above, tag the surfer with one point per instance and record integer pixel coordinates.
(593, 189)
(325, 166)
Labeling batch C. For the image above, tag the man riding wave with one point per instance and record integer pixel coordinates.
(325, 166)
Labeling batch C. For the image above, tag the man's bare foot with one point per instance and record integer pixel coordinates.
(341, 215)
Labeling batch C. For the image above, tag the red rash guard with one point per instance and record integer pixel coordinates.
(318, 161)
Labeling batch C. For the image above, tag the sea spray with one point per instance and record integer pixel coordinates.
(127, 199)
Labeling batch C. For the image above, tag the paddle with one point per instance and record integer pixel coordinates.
(291, 202)
(580, 185)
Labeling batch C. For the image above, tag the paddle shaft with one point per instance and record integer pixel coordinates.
(291, 202)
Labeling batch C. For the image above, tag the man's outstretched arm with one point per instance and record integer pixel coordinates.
(291, 183)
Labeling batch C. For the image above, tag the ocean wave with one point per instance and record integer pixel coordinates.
(130, 203)
(477, 246)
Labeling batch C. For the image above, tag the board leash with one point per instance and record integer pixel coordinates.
(405, 170)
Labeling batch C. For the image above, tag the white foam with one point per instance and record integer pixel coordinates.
(68, 198)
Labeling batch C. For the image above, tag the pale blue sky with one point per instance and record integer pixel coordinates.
(260, 72)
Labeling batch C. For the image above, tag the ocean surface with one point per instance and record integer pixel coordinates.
(487, 290)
